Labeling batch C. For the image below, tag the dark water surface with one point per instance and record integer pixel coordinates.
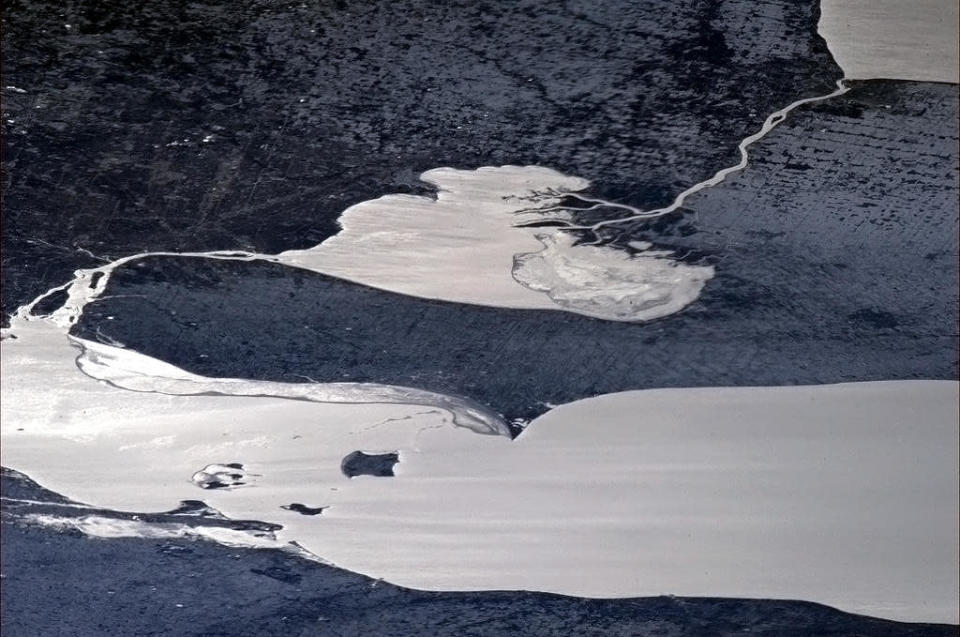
(308, 107)
(842, 270)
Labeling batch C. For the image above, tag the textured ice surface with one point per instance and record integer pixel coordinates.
(610, 284)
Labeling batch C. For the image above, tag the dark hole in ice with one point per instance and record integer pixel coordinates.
(303, 509)
(379, 465)
(95, 278)
(870, 318)
(234, 465)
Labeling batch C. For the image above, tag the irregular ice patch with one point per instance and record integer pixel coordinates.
(461, 247)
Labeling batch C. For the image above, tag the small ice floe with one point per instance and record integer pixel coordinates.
(221, 476)
(379, 465)
(14, 89)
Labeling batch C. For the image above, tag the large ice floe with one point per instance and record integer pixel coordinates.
(840, 494)
(893, 39)
(462, 245)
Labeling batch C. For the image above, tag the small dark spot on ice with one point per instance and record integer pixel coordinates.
(379, 465)
(303, 509)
